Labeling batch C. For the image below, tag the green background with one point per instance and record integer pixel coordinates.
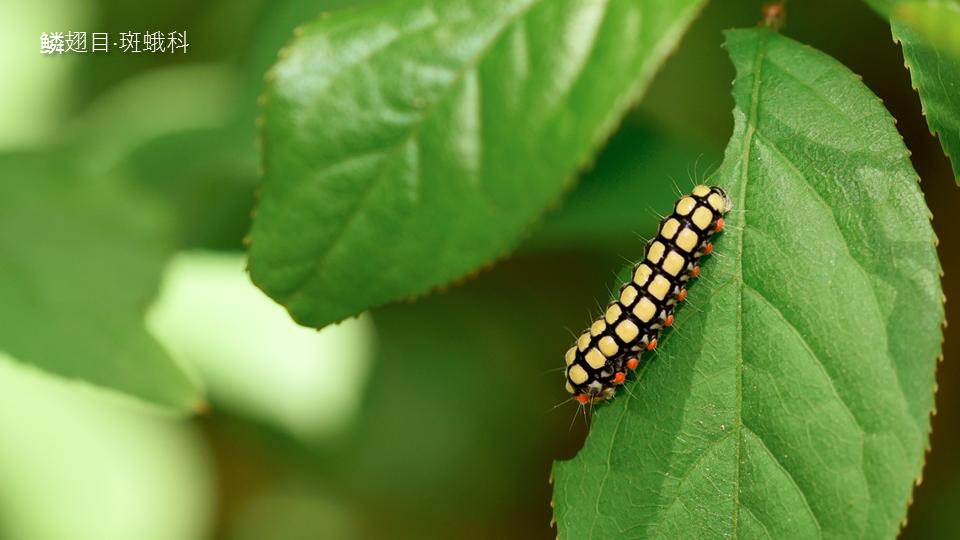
(431, 419)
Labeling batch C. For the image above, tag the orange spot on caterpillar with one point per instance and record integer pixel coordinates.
(682, 296)
(619, 377)
(708, 249)
(652, 345)
(582, 398)
(633, 363)
(719, 225)
(695, 272)
(669, 321)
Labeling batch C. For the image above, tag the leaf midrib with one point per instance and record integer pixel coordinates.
(741, 201)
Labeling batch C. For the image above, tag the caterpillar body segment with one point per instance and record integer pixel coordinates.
(600, 359)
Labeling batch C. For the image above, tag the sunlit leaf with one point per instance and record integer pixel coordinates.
(407, 143)
(254, 360)
(83, 465)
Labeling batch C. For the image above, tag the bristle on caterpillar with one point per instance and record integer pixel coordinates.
(599, 360)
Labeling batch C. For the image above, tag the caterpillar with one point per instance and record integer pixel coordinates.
(599, 360)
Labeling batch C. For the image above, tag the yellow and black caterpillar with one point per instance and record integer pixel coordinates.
(599, 361)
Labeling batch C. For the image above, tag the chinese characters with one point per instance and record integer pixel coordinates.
(58, 43)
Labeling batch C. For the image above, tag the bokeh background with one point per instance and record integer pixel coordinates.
(433, 419)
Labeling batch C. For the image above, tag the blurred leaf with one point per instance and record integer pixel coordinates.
(208, 176)
(213, 27)
(81, 465)
(253, 358)
(929, 31)
(795, 401)
(639, 171)
(81, 258)
(36, 93)
(690, 97)
(936, 76)
(188, 147)
(937, 21)
(407, 143)
(155, 104)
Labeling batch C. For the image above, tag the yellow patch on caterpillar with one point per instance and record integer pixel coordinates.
(685, 205)
(595, 358)
(608, 346)
(687, 240)
(583, 342)
(716, 202)
(628, 296)
(673, 263)
(577, 374)
(702, 217)
(645, 309)
(670, 228)
(642, 274)
(613, 313)
(655, 253)
(659, 287)
(627, 331)
(598, 327)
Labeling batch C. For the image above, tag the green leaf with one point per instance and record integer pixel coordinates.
(792, 398)
(936, 76)
(80, 259)
(407, 143)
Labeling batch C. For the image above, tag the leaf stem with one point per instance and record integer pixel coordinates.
(774, 15)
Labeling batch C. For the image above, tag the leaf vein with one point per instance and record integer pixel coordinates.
(761, 139)
(788, 474)
(806, 346)
(414, 132)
